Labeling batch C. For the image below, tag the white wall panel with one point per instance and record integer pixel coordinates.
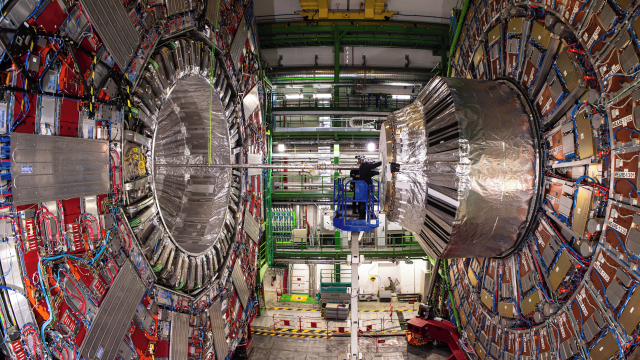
(395, 57)
(376, 57)
(275, 7)
(299, 56)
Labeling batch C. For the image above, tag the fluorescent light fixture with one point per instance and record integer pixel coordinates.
(322, 96)
(401, 97)
(281, 147)
(293, 96)
(371, 146)
(400, 84)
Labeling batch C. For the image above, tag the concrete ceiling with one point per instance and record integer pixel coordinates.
(432, 11)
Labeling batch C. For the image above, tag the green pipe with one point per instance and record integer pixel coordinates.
(445, 277)
(457, 34)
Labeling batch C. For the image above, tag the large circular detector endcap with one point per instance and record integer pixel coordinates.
(471, 172)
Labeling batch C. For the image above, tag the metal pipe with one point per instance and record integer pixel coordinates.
(312, 148)
(275, 203)
(261, 166)
(324, 261)
(323, 142)
(310, 261)
(432, 280)
(355, 262)
(457, 34)
(293, 75)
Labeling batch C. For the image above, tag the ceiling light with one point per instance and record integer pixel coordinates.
(371, 146)
(281, 147)
(401, 97)
(293, 96)
(322, 96)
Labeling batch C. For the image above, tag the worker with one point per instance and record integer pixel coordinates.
(365, 173)
(355, 175)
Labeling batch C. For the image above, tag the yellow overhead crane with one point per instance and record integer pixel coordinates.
(368, 10)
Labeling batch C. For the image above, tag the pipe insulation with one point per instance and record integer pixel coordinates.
(469, 155)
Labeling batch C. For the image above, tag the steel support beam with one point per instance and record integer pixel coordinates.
(335, 254)
(355, 33)
(322, 135)
(380, 40)
(335, 111)
(457, 33)
(267, 30)
(336, 58)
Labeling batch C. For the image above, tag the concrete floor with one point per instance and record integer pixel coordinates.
(303, 314)
(394, 348)
(297, 319)
(271, 301)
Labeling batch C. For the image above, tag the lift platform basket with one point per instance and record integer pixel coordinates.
(347, 194)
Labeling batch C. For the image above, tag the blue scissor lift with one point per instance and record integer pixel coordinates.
(343, 196)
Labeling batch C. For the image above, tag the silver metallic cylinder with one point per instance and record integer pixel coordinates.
(470, 168)
(192, 199)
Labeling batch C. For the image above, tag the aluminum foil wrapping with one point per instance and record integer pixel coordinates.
(193, 201)
(469, 168)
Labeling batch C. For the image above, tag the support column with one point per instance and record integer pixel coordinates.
(289, 277)
(432, 281)
(355, 262)
(313, 282)
(336, 57)
(336, 174)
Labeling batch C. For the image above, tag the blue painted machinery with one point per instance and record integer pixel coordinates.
(346, 197)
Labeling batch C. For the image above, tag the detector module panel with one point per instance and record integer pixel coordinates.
(570, 290)
(96, 260)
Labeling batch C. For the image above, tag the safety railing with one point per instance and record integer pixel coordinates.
(376, 325)
(314, 323)
(344, 195)
(335, 277)
(304, 186)
(380, 101)
(318, 246)
(291, 322)
(321, 326)
(360, 122)
(309, 186)
(262, 254)
(339, 326)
